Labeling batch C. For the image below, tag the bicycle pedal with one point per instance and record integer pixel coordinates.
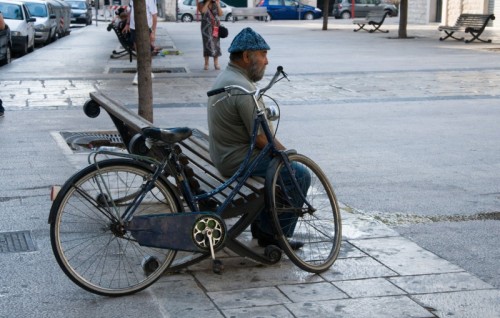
(217, 266)
(149, 264)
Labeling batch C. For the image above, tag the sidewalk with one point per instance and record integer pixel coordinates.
(378, 273)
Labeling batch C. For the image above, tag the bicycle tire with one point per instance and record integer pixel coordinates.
(87, 241)
(320, 229)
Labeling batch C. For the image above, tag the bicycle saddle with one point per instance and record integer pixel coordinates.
(168, 135)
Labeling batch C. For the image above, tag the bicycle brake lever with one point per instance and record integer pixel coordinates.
(285, 75)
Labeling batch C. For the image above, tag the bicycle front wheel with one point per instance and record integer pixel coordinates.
(314, 221)
(88, 235)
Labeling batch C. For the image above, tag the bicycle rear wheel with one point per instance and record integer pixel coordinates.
(89, 239)
(318, 226)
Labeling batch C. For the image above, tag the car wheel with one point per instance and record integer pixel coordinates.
(391, 14)
(54, 36)
(187, 18)
(49, 39)
(346, 15)
(24, 49)
(308, 16)
(8, 56)
(31, 47)
(229, 17)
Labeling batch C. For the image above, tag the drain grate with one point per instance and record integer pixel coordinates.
(15, 242)
(83, 141)
(133, 70)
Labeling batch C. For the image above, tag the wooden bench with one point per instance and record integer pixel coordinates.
(257, 12)
(204, 176)
(374, 18)
(468, 23)
(124, 42)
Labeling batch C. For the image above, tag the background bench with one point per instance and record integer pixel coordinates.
(258, 12)
(468, 23)
(124, 42)
(374, 18)
(201, 171)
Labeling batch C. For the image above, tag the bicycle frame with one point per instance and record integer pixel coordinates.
(245, 170)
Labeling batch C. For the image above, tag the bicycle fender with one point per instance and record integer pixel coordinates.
(77, 175)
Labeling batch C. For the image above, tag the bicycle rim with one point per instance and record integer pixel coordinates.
(88, 241)
(318, 226)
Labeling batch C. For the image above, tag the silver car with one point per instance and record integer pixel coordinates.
(187, 11)
(45, 25)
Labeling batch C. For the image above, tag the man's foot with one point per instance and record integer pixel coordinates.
(1, 114)
(264, 239)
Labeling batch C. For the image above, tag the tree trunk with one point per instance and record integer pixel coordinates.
(403, 19)
(143, 47)
(326, 11)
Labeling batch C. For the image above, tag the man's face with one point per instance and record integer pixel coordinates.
(258, 62)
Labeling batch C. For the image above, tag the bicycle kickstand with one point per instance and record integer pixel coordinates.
(217, 265)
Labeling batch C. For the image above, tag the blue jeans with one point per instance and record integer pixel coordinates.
(288, 220)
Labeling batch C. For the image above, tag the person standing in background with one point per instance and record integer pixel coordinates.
(210, 13)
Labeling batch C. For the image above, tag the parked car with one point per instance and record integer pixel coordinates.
(5, 46)
(187, 11)
(45, 25)
(81, 11)
(343, 8)
(290, 10)
(21, 24)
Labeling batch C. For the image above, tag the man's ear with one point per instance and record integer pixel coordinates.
(246, 57)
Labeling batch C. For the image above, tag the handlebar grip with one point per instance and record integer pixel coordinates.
(216, 91)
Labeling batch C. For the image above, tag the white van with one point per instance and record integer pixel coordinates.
(21, 24)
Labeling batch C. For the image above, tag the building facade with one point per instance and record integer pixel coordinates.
(447, 11)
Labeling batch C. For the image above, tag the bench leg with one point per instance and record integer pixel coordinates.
(376, 27)
(450, 35)
(475, 36)
(361, 27)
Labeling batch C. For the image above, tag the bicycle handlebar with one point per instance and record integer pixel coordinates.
(279, 71)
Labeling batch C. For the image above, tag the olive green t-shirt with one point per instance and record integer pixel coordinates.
(230, 122)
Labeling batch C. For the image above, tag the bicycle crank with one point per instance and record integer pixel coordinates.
(209, 233)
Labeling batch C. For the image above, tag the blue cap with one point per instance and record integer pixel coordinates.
(248, 40)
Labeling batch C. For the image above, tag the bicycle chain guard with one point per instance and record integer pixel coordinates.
(179, 231)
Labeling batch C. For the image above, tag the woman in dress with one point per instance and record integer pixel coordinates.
(210, 13)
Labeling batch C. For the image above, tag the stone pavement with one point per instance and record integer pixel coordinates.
(378, 273)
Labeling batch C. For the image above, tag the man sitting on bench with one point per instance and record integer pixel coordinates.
(230, 125)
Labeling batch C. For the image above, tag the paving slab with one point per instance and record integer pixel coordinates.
(405, 257)
(375, 307)
(465, 304)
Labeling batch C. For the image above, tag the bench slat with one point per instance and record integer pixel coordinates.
(253, 184)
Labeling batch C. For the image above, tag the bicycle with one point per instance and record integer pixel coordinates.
(116, 225)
